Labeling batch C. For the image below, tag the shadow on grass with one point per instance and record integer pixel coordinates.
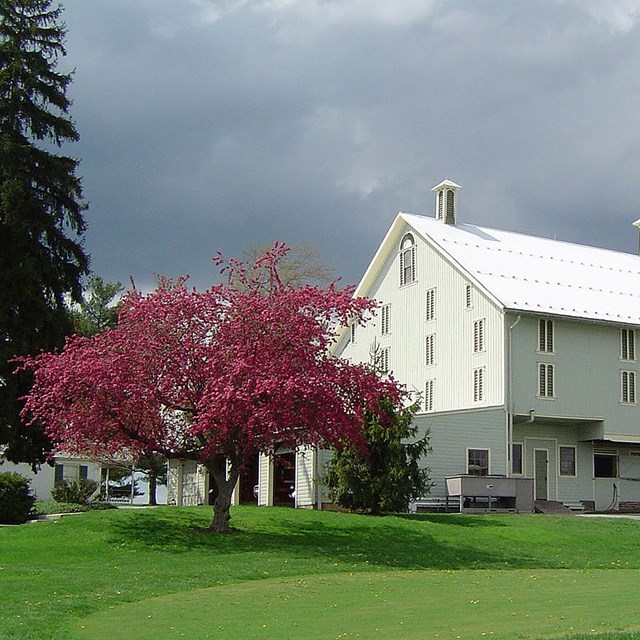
(451, 519)
(357, 542)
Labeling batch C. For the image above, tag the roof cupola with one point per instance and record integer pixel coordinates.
(446, 201)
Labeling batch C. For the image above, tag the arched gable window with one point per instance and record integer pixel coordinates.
(407, 260)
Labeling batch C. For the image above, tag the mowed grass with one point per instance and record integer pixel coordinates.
(332, 575)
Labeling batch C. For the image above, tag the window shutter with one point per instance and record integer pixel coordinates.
(550, 380)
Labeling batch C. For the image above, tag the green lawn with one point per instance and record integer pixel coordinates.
(293, 573)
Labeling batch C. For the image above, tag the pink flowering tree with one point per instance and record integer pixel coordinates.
(214, 376)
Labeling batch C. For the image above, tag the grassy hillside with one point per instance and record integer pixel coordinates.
(53, 574)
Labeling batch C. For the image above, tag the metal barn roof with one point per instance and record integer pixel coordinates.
(540, 275)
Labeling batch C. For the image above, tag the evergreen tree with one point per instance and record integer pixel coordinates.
(98, 309)
(41, 207)
(386, 477)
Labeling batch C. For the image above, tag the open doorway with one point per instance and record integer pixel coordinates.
(284, 479)
(247, 493)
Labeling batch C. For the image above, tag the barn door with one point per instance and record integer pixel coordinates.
(541, 474)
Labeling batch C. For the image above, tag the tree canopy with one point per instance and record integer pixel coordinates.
(98, 308)
(41, 207)
(214, 376)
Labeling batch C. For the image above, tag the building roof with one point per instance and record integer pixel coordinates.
(540, 275)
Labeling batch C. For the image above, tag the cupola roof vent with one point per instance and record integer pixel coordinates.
(446, 201)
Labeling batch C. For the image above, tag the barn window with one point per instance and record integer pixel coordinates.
(516, 458)
(478, 336)
(546, 382)
(567, 456)
(431, 305)
(385, 315)
(628, 387)
(627, 344)
(407, 260)
(384, 359)
(478, 384)
(478, 462)
(428, 395)
(545, 336)
(605, 465)
(430, 349)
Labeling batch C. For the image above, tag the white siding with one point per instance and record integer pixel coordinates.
(451, 434)
(305, 482)
(587, 368)
(42, 482)
(452, 326)
(187, 483)
(265, 480)
(173, 481)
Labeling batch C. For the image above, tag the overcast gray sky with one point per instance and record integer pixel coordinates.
(216, 124)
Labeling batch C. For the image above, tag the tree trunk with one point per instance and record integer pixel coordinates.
(153, 485)
(222, 504)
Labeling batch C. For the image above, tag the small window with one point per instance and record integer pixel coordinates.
(478, 462)
(545, 336)
(440, 205)
(385, 314)
(468, 300)
(567, 456)
(407, 260)
(605, 465)
(428, 395)
(627, 344)
(353, 332)
(546, 381)
(384, 359)
(478, 336)
(516, 458)
(628, 387)
(58, 473)
(431, 305)
(478, 384)
(430, 349)
(83, 472)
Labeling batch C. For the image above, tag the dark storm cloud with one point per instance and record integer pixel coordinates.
(214, 125)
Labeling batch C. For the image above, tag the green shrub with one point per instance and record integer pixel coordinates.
(50, 508)
(97, 505)
(16, 500)
(76, 492)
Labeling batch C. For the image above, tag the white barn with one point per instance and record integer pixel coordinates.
(522, 349)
